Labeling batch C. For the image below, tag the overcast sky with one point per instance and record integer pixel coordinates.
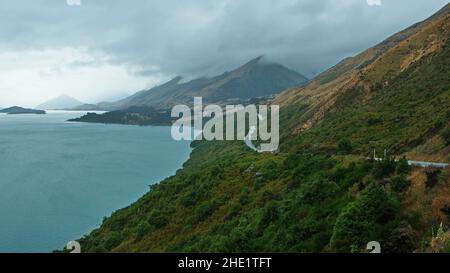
(102, 48)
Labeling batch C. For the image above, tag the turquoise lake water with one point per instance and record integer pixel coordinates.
(59, 179)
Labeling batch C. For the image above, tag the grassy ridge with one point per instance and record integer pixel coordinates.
(398, 117)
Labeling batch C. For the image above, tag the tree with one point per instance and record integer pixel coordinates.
(345, 146)
(384, 167)
(317, 190)
(142, 229)
(403, 166)
(364, 220)
(401, 240)
(270, 214)
(400, 184)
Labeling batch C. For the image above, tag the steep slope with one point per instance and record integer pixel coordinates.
(391, 85)
(61, 102)
(254, 79)
(319, 193)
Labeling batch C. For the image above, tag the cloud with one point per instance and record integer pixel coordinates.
(148, 41)
(33, 76)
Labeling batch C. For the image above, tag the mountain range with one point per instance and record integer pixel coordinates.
(323, 191)
(256, 78)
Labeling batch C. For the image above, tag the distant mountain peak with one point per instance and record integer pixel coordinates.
(60, 102)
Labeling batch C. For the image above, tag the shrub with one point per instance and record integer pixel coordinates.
(351, 175)
(374, 121)
(244, 197)
(190, 199)
(384, 168)
(158, 219)
(401, 240)
(235, 210)
(364, 220)
(403, 166)
(203, 212)
(344, 146)
(143, 229)
(293, 184)
(270, 214)
(113, 240)
(400, 184)
(317, 190)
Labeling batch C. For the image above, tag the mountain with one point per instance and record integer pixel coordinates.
(256, 78)
(395, 95)
(62, 102)
(322, 192)
(15, 110)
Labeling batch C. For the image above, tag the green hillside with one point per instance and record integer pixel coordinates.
(320, 193)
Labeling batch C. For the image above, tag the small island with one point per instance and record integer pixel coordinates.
(143, 116)
(16, 110)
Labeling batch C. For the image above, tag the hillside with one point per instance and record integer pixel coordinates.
(320, 193)
(372, 97)
(62, 102)
(255, 79)
(137, 115)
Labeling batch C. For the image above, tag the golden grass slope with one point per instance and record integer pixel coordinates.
(370, 69)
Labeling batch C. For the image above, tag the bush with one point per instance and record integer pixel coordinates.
(384, 168)
(234, 211)
(403, 166)
(203, 212)
(143, 229)
(351, 175)
(113, 240)
(270, 214)
(401, 240)
(317, 190)
(158, 219)
(190, 199)
(293, 184)
(364, 220)
(400, 184)
(344, 146)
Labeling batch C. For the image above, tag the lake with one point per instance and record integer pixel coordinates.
(59, 179)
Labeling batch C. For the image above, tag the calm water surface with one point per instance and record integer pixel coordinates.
(59, 179)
